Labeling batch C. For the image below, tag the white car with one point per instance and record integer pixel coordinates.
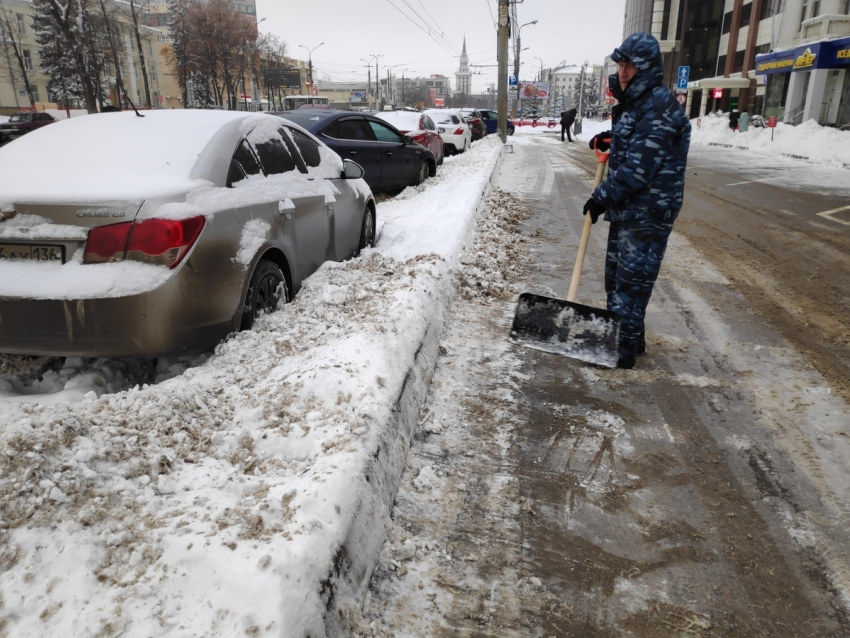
(452, 128)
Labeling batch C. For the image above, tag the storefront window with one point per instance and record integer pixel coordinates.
(776, 94)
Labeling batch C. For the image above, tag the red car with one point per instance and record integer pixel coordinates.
(418, 126)
(22, 123)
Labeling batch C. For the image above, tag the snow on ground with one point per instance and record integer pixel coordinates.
(810, 140)
(216, 502)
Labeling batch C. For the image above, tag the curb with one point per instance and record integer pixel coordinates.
(791, 155)
(344, 589)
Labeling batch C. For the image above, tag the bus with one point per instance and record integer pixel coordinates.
(292, 102)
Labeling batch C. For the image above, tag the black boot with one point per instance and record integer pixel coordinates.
(641, 346)
(625, 364)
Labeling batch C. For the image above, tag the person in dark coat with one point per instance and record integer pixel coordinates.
(567, 119)
(733, 119)
(642, 194)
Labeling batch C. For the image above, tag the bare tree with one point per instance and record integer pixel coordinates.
(11, 37)
(214, 47)
(135, 17)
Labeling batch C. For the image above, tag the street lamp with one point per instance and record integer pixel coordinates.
(402, 86)
(516, 60)
(250, 70)
(377, 77)
(540, 79)
(310, 61)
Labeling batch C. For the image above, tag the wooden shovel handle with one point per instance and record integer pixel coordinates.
(585, 233)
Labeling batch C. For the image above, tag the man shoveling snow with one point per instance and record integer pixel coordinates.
(643, 193)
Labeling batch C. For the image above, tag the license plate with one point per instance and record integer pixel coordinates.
(31, 252)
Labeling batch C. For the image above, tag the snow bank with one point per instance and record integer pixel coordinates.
(809, 141)
(249, 494)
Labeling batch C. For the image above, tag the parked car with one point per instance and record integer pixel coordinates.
(22, 123)
(218, 216)
(491, 120)
(420, 127)
(455, 132)
(390, 159)
(476, 124)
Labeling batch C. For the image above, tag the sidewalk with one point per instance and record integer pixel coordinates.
(699, 494)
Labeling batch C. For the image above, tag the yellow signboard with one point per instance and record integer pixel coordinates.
(806, 60)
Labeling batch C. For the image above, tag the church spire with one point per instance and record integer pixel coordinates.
(464, 44)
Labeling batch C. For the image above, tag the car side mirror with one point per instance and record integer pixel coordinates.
(408, 139)
(352, 170)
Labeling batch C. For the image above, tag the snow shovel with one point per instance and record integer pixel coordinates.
(565, 327)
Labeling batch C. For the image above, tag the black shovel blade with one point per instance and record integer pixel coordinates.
(568, 329)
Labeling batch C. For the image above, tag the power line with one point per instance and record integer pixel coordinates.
(435, 23)
(436, 26)
(419, 26)
(490, 9)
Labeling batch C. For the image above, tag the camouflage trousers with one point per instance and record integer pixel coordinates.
(635, 251)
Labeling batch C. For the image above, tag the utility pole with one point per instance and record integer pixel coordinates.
(577, 125)
(504, 32)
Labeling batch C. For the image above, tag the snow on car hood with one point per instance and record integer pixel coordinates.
(119, 156)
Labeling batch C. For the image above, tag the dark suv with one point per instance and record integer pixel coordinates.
(22, 123)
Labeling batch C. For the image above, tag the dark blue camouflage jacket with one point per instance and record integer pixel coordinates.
(651, 136)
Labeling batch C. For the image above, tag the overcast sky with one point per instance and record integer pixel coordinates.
(567, 30)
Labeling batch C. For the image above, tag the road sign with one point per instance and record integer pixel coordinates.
(683, 98)
(513, 80)
(684, 72)
(159, 97)
(771, 121)
(682, 83)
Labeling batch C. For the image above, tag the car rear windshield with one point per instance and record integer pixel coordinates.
(21, 117)
(307, 120)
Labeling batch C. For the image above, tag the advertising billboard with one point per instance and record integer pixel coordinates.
(278, 78)
(534, 89)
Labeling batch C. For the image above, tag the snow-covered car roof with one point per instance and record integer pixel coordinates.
(120, 156)
(443, 115)
(403, 120)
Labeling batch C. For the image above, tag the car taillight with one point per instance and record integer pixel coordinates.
(459, 132)
(475, 120)
(107, 243)
(419, 137)
(163, 242)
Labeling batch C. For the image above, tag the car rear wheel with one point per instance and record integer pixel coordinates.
(367, 231)
(423, 173)
(267, 288)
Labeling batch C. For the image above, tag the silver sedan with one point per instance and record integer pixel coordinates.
(123, 235)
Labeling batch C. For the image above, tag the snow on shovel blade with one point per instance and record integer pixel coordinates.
(568, 329)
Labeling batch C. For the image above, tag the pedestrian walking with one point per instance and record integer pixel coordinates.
(733, 119)
(567, 119)
(642, 195)
(744, 121)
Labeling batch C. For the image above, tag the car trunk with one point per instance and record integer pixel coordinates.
(50, 232)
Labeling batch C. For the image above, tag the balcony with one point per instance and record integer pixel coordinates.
(829, 25)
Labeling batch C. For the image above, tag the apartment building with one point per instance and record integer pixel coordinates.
(13, 95)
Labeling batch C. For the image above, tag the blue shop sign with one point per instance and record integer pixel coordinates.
(826, 54)
(839, 54)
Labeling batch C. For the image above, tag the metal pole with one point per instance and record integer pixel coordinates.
(504, 31)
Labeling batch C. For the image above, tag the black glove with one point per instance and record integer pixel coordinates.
(594, 209)
(601, 142)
